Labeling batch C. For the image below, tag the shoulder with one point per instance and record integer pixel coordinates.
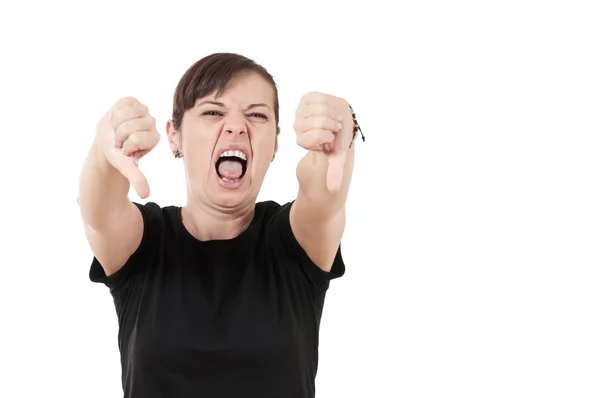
(155, 220)
(275, 217)
(155, 209)
(278, 233)
(157, 216)
(270, 207)
(269, 212)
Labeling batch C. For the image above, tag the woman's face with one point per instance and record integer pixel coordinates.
(228, 143)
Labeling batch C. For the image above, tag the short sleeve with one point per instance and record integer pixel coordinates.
(286, 244)
(142, 257)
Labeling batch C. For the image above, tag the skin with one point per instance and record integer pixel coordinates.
(241, 117)
(113, 225)
(324, 126)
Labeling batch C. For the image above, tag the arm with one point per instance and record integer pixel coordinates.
(113, 225)
(326, 127)
(318, 216)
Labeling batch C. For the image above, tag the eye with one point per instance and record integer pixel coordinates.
(212, 113)
(259, 115)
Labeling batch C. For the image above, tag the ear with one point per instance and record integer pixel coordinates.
(174, 137)
(276, 144)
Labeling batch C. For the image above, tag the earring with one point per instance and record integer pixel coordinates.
(177, 154)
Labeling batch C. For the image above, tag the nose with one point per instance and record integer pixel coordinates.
(239, 131)
(235, 126)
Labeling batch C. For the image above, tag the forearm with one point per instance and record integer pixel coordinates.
(312, 178)
(103, 191)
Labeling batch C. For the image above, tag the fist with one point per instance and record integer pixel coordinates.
(324, 123)
(127, 132)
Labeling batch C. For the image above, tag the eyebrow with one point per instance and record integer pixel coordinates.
(223, 105)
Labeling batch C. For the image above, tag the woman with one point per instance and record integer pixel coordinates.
(222, 297)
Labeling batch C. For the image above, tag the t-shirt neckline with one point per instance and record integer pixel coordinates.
(214, 242)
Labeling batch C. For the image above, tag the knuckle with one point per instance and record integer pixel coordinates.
(306, 96)
(155, 137)
(118, 130)
(321, 97)
(324, 109)
(133, 140)
(324, 135)
(114, 113)
(324, 121)
(312, 96)
(127, 128)
(121, 134)
(115, 116)
(129, 124)
(124, 101)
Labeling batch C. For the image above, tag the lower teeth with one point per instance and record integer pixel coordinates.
(228, 180)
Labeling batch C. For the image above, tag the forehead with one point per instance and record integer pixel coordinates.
(246, 88)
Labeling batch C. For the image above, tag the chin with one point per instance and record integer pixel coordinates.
(231, 195)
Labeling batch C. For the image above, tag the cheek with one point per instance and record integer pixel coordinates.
(264, 148)
(197, 150)
(197, 168)
(199, 139)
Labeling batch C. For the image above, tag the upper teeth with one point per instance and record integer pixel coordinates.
(238, 154)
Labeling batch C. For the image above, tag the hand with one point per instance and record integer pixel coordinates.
(128, 132)
(324, 123)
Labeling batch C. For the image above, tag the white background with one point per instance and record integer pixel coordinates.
(474, 222)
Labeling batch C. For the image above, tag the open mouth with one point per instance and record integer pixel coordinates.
(231, 166)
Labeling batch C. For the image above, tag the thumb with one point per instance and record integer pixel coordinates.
(128, 166)
(335, 171)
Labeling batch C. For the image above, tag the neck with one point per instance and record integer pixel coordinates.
(206, 223)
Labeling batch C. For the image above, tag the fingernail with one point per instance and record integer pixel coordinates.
(339, 125)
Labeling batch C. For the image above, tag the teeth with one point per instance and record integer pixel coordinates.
(228, 180)
(238, 154)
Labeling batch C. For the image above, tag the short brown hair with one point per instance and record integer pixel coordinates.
(212, 74)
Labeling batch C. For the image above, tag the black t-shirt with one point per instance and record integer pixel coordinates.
(222, 318)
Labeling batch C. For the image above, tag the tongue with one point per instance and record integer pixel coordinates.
(230, 169)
